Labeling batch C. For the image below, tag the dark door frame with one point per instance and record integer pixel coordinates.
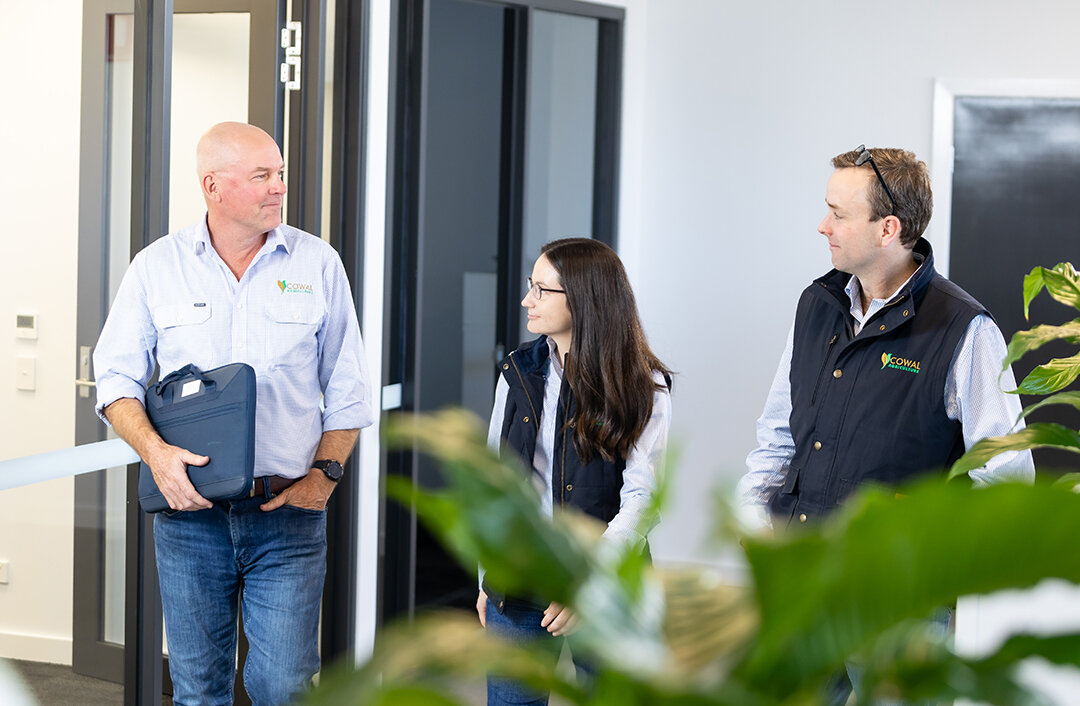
(347, 203)
(143, 664)
(405, 179)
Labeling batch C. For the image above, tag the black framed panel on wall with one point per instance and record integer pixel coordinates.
(1015, 174)
(505, 134)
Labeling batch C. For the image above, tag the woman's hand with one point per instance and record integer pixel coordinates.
(481, 608)
(559, 620)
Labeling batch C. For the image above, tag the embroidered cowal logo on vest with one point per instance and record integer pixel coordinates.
(888, 360)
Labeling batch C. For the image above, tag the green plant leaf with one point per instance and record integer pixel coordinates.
(1068, 481)
(880, 560)
(1033, 284)
(1032, 437)
(1023, 342)
(424, 654)
(1051, 377)
(488, 511)
(413, 695)
(1059, 649)
(1063, 284)
(906, 665)
(1066, 398)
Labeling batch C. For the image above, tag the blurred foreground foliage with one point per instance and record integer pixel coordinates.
(856, 589)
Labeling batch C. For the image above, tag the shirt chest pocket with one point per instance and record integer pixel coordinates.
(182, 328)
(292, 329)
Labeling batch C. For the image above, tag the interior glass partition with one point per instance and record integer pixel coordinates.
(506, 137)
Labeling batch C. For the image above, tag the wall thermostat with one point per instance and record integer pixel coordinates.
(25, 325)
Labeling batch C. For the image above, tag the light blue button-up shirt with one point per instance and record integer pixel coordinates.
(290, 317)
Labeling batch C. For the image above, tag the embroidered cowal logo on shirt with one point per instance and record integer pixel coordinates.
(888, 360)
(293, 287)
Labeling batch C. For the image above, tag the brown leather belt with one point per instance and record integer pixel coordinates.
(277, 484)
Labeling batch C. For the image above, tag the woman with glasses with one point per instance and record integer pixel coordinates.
(586, 406)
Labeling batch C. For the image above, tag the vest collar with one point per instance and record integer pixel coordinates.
(531, 356)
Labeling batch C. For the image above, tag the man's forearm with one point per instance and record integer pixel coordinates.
(128, 418)
(336, 444)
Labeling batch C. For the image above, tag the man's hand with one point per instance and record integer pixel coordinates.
(169, 466)
(481, 608)
(312, 492)
(168, 463)
(559, 620)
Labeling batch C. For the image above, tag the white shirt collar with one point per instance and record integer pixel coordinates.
(854, 292)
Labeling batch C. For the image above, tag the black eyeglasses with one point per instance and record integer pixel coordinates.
(537, 291)
(863, 158)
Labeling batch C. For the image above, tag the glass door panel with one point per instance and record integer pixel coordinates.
(561, 142)
(209, 86)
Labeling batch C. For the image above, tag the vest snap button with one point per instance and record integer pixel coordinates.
(837, 373)
(802, 517)
(506, 366)
(882, 327)
(569, 486)
(526, 420)
(817, 445)
(905, 312)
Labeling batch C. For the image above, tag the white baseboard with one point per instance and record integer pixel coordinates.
(35, 648)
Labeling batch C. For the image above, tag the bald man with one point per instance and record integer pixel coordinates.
(240, 286)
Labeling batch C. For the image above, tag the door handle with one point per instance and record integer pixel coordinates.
(83, 382)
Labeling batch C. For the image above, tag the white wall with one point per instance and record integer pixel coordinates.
(39, 129)
(745, 104)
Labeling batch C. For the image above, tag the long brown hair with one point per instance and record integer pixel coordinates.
(610, 366)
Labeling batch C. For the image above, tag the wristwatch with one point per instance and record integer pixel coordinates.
(330, 467)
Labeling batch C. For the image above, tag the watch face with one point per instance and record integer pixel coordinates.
(332, 469)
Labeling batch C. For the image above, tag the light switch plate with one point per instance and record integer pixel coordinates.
(25, 372)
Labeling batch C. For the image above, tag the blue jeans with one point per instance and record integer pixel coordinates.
(272, 564)
(519, 624)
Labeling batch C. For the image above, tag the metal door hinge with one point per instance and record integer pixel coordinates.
(290, 42)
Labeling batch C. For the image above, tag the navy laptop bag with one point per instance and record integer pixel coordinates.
(210, 413)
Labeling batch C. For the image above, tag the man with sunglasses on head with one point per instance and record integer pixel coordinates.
(890, 370)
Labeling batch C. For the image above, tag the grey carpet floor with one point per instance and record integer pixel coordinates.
(57, 685)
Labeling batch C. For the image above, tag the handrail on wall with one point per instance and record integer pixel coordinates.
(51, 465)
